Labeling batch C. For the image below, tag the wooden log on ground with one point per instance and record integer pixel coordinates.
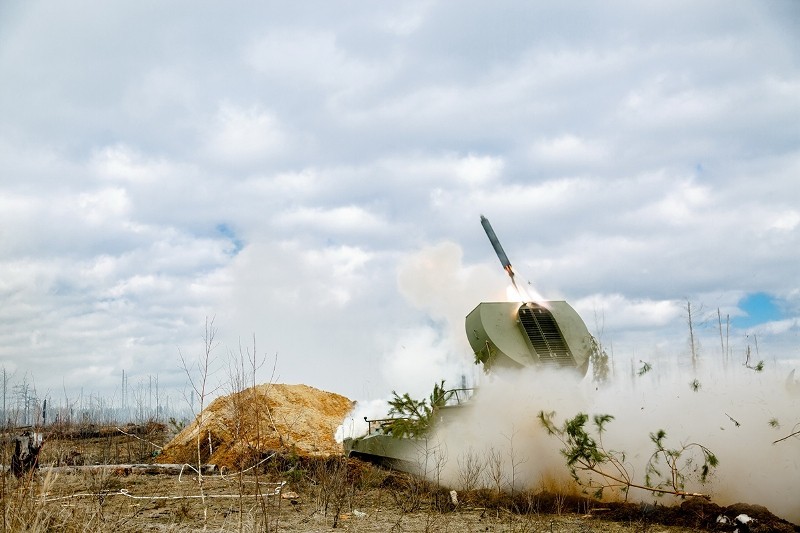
(126, 469)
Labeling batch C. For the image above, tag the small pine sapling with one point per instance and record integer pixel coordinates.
(413, 418)
(592, 465)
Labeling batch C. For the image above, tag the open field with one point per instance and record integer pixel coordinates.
(106, 500)
(292, 493)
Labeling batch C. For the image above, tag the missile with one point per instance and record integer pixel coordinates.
(501, 254)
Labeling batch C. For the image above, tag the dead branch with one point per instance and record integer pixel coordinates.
(124, 469)
(736, 422)
(140, 438)
(787, 437)
(276, 491)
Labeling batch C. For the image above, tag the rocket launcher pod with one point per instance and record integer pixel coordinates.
(514, 335)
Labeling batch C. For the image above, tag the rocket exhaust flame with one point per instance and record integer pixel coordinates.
(520, 290)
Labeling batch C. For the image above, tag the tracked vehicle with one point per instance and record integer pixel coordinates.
(503, 335)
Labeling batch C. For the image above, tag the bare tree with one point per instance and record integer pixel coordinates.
(515, 460)
(495, 469)
(722, 341)
(198, 376)
(470, 469)
(692, 346)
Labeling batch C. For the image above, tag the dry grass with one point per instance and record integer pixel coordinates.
(320, 494)
(317, 493)
(326, 493)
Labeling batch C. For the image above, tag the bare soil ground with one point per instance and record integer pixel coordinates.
(106, 501)
(326, 494)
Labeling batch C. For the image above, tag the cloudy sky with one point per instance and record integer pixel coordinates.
(312, 174)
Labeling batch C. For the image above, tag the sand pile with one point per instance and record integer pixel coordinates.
(239, 429)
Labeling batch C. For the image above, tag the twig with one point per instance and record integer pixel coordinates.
(733, 420)
(626, 483)
(140, 438)
(264, 460)
(787, 436)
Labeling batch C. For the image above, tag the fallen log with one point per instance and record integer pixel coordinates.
(126, 469)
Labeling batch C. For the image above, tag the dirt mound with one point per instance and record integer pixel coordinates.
(239, 429)
(698, 513)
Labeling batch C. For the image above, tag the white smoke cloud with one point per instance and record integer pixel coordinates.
(354, 425)
(737, 414)
(436, 281)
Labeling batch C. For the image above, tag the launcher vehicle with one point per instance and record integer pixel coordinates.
(502, 335)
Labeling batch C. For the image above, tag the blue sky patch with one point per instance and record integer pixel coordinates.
(759, 307)
(227, 232)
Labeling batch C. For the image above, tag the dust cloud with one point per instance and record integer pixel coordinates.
(737, 414)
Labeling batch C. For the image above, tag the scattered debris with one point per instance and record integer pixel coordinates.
(736, 422)
(742, 523)
(701, 514)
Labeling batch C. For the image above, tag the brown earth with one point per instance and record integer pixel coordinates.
(320, 492)
(242, 428)
(328, 494)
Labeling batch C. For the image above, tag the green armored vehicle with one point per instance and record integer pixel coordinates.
(508, 335)
(502, 335)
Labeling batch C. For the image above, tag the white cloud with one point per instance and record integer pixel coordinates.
(123, 163)
(786, 220)
(349, 218)
(681, 206)
(305, 57)
(346, 263)
(779, 327)
(103, 206)
(535, 198)
(659, 104)
(407, 18)
(479, 170)
(617, 312)
(451, 171)
(292, 184)
(140, 285)
(160, 91)
(568, 149)
(241, 134)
